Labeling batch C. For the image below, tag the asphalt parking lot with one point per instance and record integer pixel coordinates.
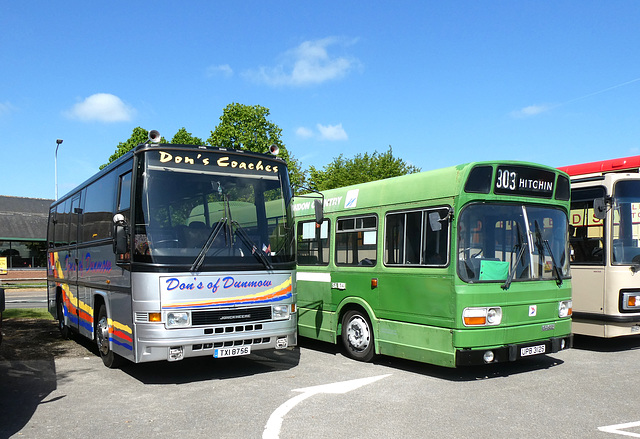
(316, 392)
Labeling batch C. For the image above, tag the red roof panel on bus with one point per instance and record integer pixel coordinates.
(613, 165)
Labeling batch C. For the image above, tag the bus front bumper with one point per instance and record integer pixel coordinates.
(512, 352)
(156, 344)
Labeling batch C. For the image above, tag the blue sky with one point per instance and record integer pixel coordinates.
(442, 83)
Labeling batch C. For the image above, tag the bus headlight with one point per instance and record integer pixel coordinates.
(280, 312)
(177, 319)
(565, 309)
(630, 301)
(485, 316)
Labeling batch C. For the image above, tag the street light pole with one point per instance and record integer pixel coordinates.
(58, 142)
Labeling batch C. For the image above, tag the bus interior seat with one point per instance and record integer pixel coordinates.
(196, 234)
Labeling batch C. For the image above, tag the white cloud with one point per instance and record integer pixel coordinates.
(530, 111)
(223, 69)
(102, 107)
(309, 63)
(304, 132)
(332, 132)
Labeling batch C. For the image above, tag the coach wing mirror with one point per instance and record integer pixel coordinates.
(119, 234)
(600, 208)
(317, 206)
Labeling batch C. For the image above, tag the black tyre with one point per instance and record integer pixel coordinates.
(109, 358)
(65, 331)
(357, 335)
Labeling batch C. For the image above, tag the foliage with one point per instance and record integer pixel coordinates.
(247, 127)
(138, 136)
(360, 169)
(182, 137)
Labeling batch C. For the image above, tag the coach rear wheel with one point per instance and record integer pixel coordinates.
(109, 358)
(357, 336)
(64, 329)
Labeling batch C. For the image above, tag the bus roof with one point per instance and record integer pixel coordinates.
(603, 166)
(436, 184)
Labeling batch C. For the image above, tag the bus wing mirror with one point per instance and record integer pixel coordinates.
(434, 221)
(317, 206)
(599, 208)
(119, 234)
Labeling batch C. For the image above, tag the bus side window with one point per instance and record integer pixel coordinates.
(356, 240)
(586, 231)
(313, 243)
(417, 238)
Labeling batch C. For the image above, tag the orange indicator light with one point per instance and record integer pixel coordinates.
(155, 317)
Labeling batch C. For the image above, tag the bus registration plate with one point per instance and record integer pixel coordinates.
(231, 352)
(532, 350)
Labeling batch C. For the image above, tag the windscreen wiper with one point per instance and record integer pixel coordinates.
(257, 252)
(543, 244)
(215, 231)
(512, 271)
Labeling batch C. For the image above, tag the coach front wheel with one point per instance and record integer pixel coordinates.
(357, 336)
(109, 358)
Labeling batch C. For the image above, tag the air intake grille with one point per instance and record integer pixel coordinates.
(236, 315)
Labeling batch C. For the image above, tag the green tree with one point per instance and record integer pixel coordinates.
(138, 136)
(247, 127)
(360, 169)
(182, 137)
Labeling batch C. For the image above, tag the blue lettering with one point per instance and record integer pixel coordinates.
(172, 284)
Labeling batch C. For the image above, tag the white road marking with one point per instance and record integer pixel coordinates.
(616, 429)
(272, 429)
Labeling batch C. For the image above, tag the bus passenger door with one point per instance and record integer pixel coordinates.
(75, 319)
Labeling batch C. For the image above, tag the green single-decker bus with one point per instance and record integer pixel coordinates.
(459, 266)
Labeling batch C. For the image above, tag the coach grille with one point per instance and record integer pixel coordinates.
(236, 315)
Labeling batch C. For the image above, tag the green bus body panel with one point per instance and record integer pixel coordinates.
(416, 312)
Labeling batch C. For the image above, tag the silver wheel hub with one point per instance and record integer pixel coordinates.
(358, 333)
(102, 336)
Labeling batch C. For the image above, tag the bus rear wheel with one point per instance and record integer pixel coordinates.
(109, 358)
(357, 335)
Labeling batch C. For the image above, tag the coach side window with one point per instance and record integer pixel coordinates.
(313, 243)
(62, 224)
(356, 239)
(98, 208)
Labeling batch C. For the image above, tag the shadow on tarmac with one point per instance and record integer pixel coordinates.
(197, 369)
(466, 373)
(24, 385)
(596, 344)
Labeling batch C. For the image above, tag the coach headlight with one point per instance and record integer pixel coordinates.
(177, 319)
(280, 312)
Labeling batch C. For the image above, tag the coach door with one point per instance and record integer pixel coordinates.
(73, 261)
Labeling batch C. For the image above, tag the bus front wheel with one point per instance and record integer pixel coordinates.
(357, 335)
(109, 358)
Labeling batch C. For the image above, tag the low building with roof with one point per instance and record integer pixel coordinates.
(23, 235)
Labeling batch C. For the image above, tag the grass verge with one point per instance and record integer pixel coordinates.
(27, 313)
